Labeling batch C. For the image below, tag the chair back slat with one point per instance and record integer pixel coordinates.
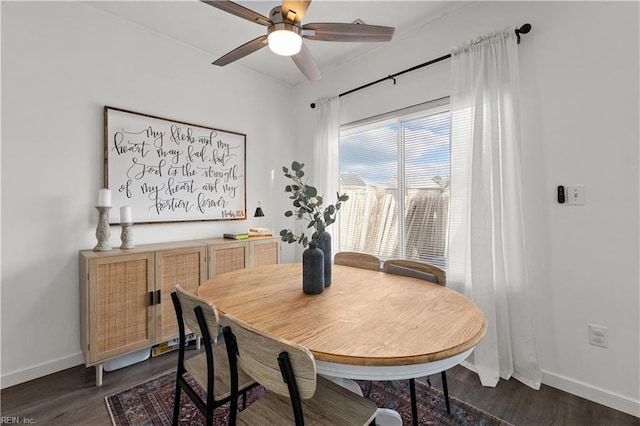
(258, 357)
(357, 260)
(188, 302)
(415, 269)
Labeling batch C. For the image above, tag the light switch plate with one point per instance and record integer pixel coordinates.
(575, 195)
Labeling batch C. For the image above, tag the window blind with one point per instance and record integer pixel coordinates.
(395, 169)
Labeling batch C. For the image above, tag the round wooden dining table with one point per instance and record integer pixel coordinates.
(367, 325)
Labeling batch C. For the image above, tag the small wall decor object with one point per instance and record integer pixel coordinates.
(324, 244)
(309, 207)
(172, 171)
(104, 197)
(102, 230)
(126, 214)
(312, 270)
(126, 222)
(259, 212)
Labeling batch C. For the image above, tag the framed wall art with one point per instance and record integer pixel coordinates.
(172, 171)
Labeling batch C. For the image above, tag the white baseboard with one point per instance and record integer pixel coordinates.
(600, 396)
(40, 370)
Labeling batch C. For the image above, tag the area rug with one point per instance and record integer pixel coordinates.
(151, 403)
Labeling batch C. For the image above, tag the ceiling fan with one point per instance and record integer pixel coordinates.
(285, 33)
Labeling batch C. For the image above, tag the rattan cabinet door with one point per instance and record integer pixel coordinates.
(264, 252)
(186, 267)
(228, 256)
(121, 316)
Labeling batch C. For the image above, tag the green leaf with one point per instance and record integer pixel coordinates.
(307, 205)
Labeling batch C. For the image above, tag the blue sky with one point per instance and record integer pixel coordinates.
(372, 153)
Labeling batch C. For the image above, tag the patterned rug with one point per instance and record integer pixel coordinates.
(151, 403)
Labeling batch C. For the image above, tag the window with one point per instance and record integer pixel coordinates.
(395, 169)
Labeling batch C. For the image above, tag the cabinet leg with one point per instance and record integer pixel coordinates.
(198, 343)
(99, 375)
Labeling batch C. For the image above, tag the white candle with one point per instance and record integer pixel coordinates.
(104, 198)
(125, 215)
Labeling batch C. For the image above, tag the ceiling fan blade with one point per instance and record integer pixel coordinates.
(242, 51)
(347, 32)
(306, 64)
(241, 11)
(297, 7)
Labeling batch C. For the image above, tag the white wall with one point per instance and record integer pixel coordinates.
(579, 81)
(61, 63)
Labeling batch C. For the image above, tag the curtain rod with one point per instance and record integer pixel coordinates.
(522, 30)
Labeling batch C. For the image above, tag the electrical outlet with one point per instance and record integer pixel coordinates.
(598, 335)
(575, 195)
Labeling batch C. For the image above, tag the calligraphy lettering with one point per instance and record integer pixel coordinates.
(178, 136)
(140, 170)
(205, 203)
(121, 147)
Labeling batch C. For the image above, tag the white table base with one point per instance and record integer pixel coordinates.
(396, 372)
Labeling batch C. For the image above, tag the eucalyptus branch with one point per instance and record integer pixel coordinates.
(308, 206)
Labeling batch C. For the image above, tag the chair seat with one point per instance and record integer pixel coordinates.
(324, 408)
(197, 367)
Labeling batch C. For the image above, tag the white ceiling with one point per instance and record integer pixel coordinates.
(216, 32)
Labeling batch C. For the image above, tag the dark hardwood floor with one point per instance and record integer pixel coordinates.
(70, 397)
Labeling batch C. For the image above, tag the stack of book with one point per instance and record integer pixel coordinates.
(260, 232)
(241, 236)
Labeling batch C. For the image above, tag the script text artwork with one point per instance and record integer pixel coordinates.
(174, 171)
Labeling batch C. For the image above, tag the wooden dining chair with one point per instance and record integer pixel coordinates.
(427, 272)
(415, 269)
(209, 369)
(357, 260)
(295, 393)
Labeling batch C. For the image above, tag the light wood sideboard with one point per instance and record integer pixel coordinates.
(230, 255)
(125, 302)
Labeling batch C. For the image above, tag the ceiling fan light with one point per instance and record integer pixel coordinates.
(284, 42)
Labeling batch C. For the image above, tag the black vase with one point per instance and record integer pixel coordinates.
(312, 270)
(324, 244)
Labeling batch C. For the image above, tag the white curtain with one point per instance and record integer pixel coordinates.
(487, 257)
(325, 175)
